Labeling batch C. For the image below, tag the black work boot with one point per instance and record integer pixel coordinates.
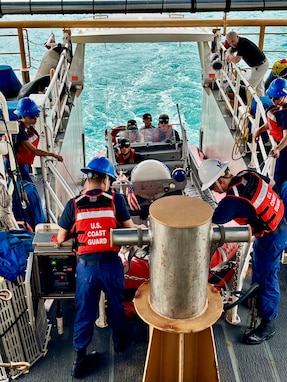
(119, 340)
(263, 332)
(84, 362)
(78, 365)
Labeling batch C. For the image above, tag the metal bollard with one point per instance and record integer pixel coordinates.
(179, 258)
(178, 304)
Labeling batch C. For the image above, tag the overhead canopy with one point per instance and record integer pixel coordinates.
(20, 7)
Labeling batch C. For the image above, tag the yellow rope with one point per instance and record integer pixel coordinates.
(243, 135)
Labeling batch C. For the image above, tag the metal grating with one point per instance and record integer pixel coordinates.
(11, 346)
(3, 374)
(19, 341)
(42, 327)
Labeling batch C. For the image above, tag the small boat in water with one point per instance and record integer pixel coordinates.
(42, 298)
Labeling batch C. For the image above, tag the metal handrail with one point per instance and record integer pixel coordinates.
(54, 90)
(54, 115)
(50, 195)
(18, 52)
(232, 76)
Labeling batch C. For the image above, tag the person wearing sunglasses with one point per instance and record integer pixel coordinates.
(165, 132)
(276, 124)
(133, 132)
(146, 132)
(127, 154)
(27, 140)
(250, 199)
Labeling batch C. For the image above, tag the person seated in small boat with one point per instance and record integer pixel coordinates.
(133, 132)
(165, 132)
(146, 132)
(127, 154)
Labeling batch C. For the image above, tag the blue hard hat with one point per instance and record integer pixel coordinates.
(277, 88)
(26, 107)
(102, 165)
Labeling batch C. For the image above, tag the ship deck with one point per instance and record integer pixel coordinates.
(237, 361)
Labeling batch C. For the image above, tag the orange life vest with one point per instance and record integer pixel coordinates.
(131, 158)
(268, 206)
(94, 217)
(25, 156)
(274, 128)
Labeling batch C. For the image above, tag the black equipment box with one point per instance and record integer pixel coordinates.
(54, 265)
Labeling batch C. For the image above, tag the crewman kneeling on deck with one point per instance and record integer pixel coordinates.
(250, 199)
(89, 217)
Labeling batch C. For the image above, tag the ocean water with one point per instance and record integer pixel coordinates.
(123, 81)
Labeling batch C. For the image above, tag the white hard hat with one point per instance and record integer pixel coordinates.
(211, 170)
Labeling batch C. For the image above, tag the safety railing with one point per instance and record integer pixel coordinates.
(52, 202)
(7, 38)
(58, 98)
(57, 94)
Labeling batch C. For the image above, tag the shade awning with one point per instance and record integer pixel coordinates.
(32, 7)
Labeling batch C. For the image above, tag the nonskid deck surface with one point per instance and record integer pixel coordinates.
(237, 362)
(244, 363)
(56, 364)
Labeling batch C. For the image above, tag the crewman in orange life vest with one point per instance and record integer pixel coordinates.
(27, 140)
(89, 216)
(277, 125)
(251, 200)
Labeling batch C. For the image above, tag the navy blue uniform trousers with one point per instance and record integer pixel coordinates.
(267, 252)
(106, 275)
